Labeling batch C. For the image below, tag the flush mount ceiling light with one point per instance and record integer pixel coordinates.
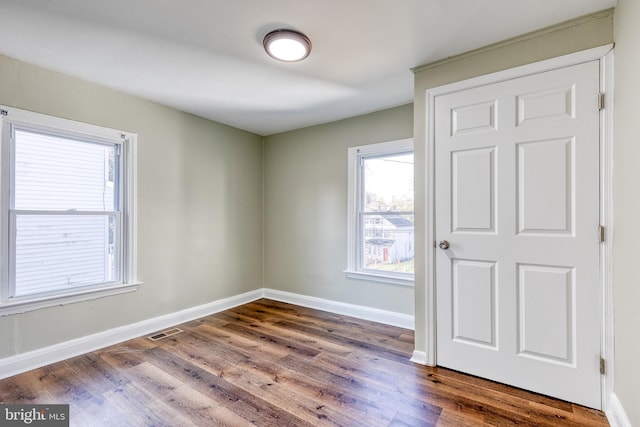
(287, 45)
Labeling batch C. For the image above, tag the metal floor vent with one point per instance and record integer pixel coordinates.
(164, 334)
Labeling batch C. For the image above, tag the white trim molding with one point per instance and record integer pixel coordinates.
(419, 357)
(17, 364)
(14, 365)
(374, 277)
(606, 218)
(358, 311)
(616, 415)
(10, 308)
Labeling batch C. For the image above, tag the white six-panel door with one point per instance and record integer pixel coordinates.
(517, 201)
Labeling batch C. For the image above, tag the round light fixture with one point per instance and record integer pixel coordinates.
(287, 45)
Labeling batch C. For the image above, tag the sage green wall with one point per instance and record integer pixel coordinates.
(199, 200)
(584, 33)
(305, 201)
(626, 202)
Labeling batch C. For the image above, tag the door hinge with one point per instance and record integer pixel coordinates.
(602, 366)
(601, 101)
(601, 233)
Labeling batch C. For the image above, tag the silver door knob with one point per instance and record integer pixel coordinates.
(444, 244)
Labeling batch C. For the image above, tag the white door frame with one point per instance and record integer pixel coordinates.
(605, 55)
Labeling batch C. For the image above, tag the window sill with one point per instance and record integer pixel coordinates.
(23, 306)
(378, 277)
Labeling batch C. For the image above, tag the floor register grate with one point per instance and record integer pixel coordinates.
(164, 334)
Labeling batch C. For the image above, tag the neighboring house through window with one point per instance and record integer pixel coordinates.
(67, 217)
(380, 214)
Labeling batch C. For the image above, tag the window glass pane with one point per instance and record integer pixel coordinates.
(388, 243)
(61, 252)
(388, 183)
(386, 220)
(54, 173)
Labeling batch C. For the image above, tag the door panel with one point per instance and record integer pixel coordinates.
(547, 104)
(517, 197)
(545, 186)
(545, 313)
(473, 118)
(473, 190)
(474, 305)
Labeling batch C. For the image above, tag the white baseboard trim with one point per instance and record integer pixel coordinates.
(361, 312)
(20, 363)
(616, 415)
(419, 357)
(14, 365)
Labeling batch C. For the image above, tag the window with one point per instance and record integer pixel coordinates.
(67, 211)
(380, 227)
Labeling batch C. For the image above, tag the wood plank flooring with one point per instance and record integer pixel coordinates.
(273, 364)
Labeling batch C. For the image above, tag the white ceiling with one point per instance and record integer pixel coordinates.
(206, 56)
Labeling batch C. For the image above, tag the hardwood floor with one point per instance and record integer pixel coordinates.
(273, 364)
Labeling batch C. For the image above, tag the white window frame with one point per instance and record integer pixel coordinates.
(14, 118)
(354, 188)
